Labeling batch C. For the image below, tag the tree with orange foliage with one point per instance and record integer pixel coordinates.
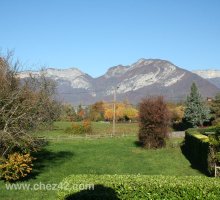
(97, 111)
(120, 109)
(154, 120)
(108, 114)
(123, 112)
(176, 112)
(131, 113)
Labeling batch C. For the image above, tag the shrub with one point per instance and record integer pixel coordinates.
(16, 166)
(79, 129)
(202, 150)
(139, 187)
(154, 120)
(216, 122)
(87, 126)
(69, 130)
(217, 129)
(215, 144)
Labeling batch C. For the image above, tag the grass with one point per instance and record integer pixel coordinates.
(98, 128)
(118, 155)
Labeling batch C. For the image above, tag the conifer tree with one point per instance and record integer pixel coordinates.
(196, 112)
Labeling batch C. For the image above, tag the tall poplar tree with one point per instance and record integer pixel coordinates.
(196, 112)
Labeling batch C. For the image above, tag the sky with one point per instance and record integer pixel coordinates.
(94, 35)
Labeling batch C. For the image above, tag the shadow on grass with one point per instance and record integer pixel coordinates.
(99, 192)
(193, 165)
(138, 144)
(44, 158)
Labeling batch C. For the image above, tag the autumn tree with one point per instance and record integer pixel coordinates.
(80, 113)
(97, 111)
(196, 111)
(123, 112)
(153, 122)
(130, 113)
(108, 114)
(176, 112)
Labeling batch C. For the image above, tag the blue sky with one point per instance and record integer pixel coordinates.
(94, 35)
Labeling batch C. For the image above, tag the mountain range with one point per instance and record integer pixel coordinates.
(212, 76)
(146, 77)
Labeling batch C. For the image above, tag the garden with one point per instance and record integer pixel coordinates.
(48, 148)
(118, 155)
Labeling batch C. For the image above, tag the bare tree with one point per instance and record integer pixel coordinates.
(24, 106)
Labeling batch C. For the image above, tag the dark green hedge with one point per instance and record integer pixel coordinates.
(197, 150)
(206, 131)
(140, 187)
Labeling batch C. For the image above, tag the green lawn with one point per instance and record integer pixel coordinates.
(98, 128)
(118, 155)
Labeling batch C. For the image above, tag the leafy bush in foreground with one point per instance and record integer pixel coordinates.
(140, 187)
(17, 166)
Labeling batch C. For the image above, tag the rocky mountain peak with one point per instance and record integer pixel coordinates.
(141, 62)
(64, 73)
(151, 62)
(53, 72)
(74, 76)
(116, 71)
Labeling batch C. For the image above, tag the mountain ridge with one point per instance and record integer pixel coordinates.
(212, 75)
(142, 78)
(208, 73)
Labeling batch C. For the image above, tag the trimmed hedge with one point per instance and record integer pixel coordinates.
(197, 150)
(140, 187)
(201, 147)
(205, 131)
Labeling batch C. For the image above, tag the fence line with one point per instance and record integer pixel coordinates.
(88, 136)
(85, 137)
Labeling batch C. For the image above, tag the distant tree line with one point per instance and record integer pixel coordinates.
(100, 111)
(195, 111)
